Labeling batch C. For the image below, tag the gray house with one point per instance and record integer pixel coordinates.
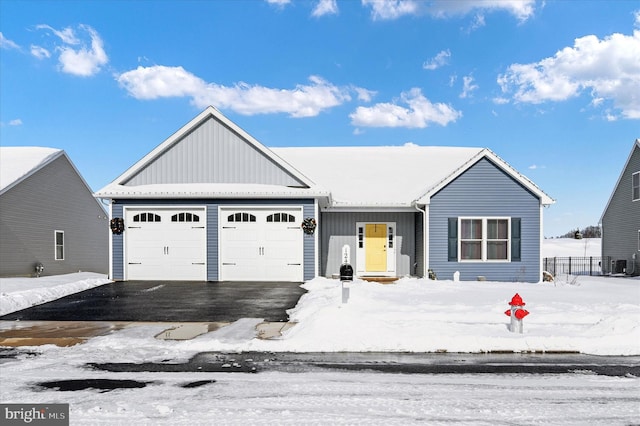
(212, 203)
(621, 219)
(48, 215)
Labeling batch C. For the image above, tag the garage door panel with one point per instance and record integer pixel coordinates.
(160, 248)
(269, 247)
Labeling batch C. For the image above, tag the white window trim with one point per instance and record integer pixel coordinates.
(484, 239)
(632, 187)
(55, 245)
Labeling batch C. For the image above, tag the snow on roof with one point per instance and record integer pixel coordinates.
(388, 176)
(19, 162)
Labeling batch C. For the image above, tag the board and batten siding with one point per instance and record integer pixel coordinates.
(54, 198)
(339, 229)
(484, 190)
(213, 273)
(621, 220)
(204, 156)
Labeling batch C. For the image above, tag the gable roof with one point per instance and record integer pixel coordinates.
(133, 183)
(387, 177)
(17, 163)
(636, 145)
(392, 176)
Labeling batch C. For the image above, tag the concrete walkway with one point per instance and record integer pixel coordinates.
(69, 333)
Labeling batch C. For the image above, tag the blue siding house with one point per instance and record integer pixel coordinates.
(212, 203)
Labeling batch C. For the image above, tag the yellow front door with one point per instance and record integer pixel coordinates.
(375, 247)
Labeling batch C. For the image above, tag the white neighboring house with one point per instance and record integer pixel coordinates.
(621, 219)
(48, 215)
(211, 203)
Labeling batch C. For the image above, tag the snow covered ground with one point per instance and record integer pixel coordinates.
(565, 247)
(596, 315)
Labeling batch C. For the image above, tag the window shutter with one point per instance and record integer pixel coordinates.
(515, 240)
(453, 239)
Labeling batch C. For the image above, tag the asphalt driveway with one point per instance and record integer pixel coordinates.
(170, 301)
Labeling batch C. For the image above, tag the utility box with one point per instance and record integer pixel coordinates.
(620, 266)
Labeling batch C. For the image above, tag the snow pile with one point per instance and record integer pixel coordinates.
(21, 293)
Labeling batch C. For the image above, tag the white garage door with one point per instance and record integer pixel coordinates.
(165, 244)
(258, 244)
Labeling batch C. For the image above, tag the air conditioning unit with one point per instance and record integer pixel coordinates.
(620, 266)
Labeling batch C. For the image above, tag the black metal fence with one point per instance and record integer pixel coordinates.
(591, 265)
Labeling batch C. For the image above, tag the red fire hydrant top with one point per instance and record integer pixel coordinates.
(517, 301)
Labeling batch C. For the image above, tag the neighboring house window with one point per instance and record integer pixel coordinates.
(635, 186)
(281, 217)
(146, 217)
(59, 240)
(241, 217)
(483, 239)
(185, 217)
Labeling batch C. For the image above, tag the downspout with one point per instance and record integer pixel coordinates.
(425, 237)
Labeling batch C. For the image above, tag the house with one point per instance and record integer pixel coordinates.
(621, 219)
(212, 203)
(48, 215)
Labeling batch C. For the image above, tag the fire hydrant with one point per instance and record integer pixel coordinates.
(516, 313)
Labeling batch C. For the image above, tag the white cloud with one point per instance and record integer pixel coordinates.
(325, 7)
(418, 113)
(468, 87)
(391, 9)
(67, 35)
(40, 52)
(608, 69)
(5, 43)
(75, 56)
(441, 59)
(305, 100)
(278, 3)
(636, 15)
(478, 22)
(394, 9)
(15, 122)
(364, 95)
(521, 9)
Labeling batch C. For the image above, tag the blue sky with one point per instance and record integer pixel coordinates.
(552, 87)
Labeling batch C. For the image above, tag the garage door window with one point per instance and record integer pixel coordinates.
(146, 217)
(185, 217)
(281, 217)
(241, 217)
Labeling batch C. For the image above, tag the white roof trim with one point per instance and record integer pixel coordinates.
(545, 199)
(207, 190)
(184, 130)
(636, 144)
